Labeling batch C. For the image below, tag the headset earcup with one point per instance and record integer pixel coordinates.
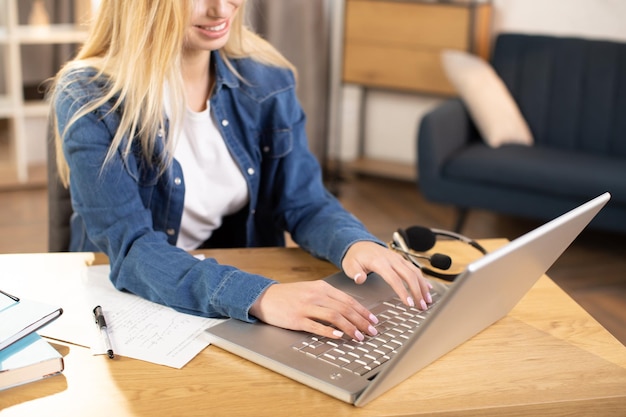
(419, 238)
(405, 239)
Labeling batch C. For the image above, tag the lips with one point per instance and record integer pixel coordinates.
(214, 31)
(216, 28)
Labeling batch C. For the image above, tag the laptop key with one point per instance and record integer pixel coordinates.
(353, 367)
(317, 350)
(396, 323)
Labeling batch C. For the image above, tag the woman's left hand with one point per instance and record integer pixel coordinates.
(405, 278)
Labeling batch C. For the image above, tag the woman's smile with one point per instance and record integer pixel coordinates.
(214, 31)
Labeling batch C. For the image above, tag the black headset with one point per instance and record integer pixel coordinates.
(416, 239)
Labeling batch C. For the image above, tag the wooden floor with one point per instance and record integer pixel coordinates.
(592, 270)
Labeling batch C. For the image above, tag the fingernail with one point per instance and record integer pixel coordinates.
(359, 336)
(429, 298)
(373, 319)
(423, 305)
(357, 277)
(429, 285)
(372, 331)
(337, 333)
(409, 301)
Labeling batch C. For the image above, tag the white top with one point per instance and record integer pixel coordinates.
(214, 185)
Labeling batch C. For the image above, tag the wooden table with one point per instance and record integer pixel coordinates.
(547, 357)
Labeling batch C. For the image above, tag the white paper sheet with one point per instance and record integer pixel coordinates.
(142, 329)
(138, 328)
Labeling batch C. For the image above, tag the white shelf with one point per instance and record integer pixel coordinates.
(6, 107)
(36, 108)
(14, 161)
(43, 34)
(50, 34)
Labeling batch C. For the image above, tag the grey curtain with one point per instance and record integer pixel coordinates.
(300, 29)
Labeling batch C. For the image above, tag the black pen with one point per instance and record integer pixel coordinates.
(12, 297)
(104, 332)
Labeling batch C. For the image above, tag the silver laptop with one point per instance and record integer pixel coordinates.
(409, 339)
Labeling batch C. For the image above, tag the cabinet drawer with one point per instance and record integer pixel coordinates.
(410, 24)
(397, 44)
(392, 67)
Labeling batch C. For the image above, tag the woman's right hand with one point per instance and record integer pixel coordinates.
(315, 307)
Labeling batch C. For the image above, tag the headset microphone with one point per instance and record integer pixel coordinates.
(437, 260)
(421, 239)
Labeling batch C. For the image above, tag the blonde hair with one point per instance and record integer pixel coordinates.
(138, 63)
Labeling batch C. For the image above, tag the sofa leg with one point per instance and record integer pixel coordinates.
(462, 213)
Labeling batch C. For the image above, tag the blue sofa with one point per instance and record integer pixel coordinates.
(572, 93)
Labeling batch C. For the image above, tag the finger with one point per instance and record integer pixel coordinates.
(395, 277)
(426, 286)
(403, 277)
(360, 277)
(416, 283)
(346, 314)
(320, 329)
(408, 283)
(421, 284)
(420, 287)
(356, 273)
(329, 323)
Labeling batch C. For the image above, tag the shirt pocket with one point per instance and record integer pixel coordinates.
(277, 143)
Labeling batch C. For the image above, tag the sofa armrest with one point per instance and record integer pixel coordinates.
(442, 132)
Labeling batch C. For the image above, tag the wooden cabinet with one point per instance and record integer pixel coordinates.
(397, 44)
(15, 110)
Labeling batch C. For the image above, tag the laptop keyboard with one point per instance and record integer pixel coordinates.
(397, 323)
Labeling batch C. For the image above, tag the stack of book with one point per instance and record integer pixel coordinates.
(24, 355)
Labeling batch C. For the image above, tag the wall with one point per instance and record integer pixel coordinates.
(391, 119)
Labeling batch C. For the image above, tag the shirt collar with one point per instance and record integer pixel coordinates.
(223, 74)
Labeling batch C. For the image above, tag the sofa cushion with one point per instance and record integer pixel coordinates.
(540, 169)
(488, 100)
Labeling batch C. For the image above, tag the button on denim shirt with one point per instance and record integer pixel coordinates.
(133, 214)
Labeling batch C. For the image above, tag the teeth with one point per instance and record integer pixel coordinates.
(215, 28)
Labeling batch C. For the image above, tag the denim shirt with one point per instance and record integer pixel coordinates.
(133, 214)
